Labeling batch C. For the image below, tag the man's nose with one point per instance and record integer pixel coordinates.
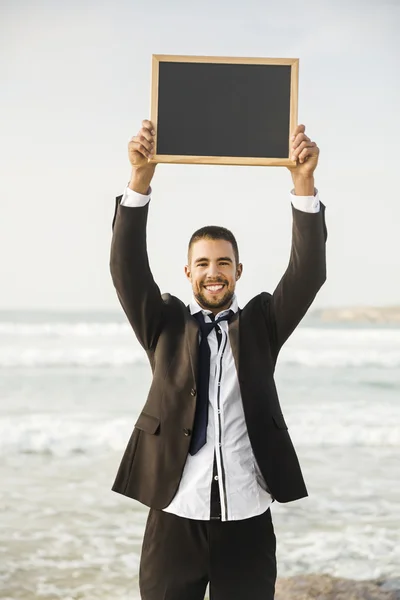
(212, 270)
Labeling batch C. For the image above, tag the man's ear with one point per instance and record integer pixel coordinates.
(188, 273)
(239, 271)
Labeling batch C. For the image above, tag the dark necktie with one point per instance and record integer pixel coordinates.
(199, 436)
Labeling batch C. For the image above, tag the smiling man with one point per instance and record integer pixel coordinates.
(213, 267)
(210, 450)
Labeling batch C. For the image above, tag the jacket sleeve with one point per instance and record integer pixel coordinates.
(137, 291)
(302, 279)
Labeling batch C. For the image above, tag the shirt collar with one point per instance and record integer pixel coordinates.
(195, 307)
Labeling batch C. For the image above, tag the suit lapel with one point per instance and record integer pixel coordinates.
(192, 341)
(234, 338)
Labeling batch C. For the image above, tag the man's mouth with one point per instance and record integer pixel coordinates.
(214, 288)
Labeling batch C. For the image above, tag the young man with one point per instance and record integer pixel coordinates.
(210, 450)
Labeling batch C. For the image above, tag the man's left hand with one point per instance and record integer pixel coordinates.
(304, 152)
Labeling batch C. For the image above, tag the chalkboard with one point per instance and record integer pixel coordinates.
(218, 110)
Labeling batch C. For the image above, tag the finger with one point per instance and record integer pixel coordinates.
(142, 141)
(136, 146)
(149, 125)
(301, 137)
(299, 129)
(139, 133)
(145, 136)
(296, 153)
(307, 152)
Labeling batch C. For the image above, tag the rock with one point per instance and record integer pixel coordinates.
(392, 584)
(382, 315)
(325, 587)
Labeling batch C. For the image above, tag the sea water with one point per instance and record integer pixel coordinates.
(71, 388)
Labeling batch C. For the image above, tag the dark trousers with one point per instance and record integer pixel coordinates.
(180, 556)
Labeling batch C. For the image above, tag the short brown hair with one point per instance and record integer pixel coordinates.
(214, 232)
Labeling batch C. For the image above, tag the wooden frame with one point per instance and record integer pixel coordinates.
(225, 160)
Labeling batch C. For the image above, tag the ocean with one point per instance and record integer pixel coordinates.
(71, 388)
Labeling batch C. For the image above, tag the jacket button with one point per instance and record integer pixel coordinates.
(192, 392)
(187, 432)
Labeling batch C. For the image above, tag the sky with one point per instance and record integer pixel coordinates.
(75, 86)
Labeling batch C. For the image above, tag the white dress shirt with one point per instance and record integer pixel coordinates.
(243, 491)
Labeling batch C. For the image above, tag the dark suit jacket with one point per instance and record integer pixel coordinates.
(152, 465)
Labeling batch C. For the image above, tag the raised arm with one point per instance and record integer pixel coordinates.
(136, 289)
(306, 271)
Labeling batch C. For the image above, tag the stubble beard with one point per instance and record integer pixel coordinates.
(207, 304)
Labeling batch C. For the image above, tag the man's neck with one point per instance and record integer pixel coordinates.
(232, 304)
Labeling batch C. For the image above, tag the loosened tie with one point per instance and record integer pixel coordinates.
(199, 436)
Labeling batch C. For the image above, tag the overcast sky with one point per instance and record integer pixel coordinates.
(75, 85)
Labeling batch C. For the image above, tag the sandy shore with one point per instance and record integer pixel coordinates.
(325, 587)
(298, 587)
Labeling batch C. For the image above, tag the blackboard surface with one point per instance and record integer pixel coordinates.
(222, 112)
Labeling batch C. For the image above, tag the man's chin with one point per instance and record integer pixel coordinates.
(210, 303)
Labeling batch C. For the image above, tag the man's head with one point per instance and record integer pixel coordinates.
(213, 267)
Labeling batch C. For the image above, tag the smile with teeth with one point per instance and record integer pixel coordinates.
(217, 287)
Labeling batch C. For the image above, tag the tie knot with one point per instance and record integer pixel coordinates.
(206, 328)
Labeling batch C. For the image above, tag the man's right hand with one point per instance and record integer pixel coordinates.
(140, 150)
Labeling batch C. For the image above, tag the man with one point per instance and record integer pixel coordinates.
(210, 450)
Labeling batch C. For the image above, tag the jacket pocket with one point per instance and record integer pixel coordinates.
(279, 421)
(148, 423)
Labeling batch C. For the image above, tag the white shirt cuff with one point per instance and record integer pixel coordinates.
(308, 204)
(134, 199)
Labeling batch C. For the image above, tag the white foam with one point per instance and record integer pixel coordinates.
(82, 433)
(114, 344)
(323, 347)
(84, 356)
(340, 357)
(58, 329)
(63, 435)
(114, 356)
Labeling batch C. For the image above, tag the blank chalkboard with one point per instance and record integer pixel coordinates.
(217, 110)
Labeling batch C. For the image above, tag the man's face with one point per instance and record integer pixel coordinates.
(213, 273)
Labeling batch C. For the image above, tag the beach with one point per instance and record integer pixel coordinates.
(72, 386)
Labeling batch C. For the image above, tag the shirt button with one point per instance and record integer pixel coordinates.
(192, 392)
(187, 432)
(216, 478)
